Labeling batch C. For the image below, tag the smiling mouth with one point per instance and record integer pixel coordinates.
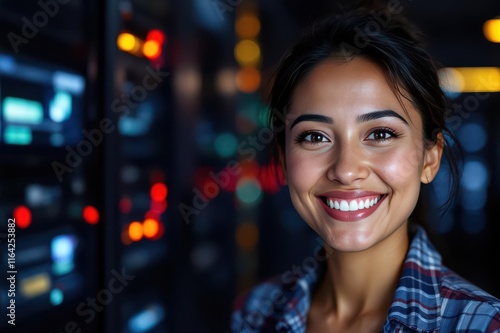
(352, 205)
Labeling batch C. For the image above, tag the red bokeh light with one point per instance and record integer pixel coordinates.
(271, 178)
(22, 215)
(158, 206)
(156, 35)
(90, 214)
(159, 192)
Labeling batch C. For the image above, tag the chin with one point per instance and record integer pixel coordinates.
(348, 241)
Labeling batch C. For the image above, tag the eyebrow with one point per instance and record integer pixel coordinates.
(312, 117)
(380, 114)
(360, 119)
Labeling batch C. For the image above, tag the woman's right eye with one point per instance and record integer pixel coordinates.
(312, 137)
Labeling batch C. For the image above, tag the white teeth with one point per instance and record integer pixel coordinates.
(351, 206)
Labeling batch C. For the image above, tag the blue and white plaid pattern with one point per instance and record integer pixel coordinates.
(429, 298)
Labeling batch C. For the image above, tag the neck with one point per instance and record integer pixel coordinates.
(364, 282)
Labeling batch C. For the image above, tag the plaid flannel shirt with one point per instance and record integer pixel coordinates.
(429, 298)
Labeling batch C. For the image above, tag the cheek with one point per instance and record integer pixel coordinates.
(400, 166)
(302, 171)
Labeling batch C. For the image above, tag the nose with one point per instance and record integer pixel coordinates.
(348, 164)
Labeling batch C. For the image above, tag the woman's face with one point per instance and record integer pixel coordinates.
(354, 159)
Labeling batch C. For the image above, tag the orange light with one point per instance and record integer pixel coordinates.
(159, 192)
(22, 215)
(128, 42)
(90, 214)
(248, 80)
(247, 26)
(156, 35)
(125, 237)
(151, 49)
(247, 235)
(150, 228)
(135, 231)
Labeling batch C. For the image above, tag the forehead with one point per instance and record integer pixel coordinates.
(349, 87)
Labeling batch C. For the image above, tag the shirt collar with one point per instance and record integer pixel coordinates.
(300, 294)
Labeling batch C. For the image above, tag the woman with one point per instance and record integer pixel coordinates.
(359, 121)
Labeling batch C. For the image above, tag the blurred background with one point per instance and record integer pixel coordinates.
(132, 155)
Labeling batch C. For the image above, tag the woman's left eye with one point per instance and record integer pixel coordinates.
(382, 134)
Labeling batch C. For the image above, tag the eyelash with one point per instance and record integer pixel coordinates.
(385, 130)
(301, 138)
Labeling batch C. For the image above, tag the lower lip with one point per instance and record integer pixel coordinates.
(350, 216)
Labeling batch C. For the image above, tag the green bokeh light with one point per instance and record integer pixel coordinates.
(248, 191)
(20, 110)
(18, 135)
(56, 297)
(226, 144)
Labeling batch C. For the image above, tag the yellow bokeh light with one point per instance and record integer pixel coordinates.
(247, 235)
(151, 49)
(35, 285)
(247, 53)
(128, 42)
(491, 30)
(135, 231)
(247, 26)
(470, 79)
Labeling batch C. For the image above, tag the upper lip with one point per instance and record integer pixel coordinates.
(349, 195)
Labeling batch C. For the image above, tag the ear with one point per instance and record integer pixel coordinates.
(432, 160)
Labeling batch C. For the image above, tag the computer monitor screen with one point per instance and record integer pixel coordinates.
(40, 104)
